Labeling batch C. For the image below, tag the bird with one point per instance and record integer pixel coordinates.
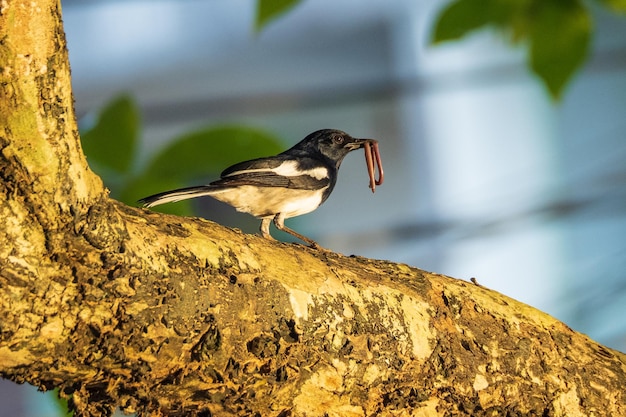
(294, 182)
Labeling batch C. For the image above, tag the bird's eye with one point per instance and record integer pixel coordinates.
(338, 139)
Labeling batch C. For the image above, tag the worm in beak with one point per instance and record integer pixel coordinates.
(372, 154)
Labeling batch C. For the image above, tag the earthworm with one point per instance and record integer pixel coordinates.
(371, 153)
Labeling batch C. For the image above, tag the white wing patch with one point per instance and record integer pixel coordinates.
(288, 169)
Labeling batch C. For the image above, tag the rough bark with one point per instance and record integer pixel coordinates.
(162, 315)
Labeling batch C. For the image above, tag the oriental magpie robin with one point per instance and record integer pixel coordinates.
(278, 187)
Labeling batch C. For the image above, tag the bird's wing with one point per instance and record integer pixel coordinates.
(276, 172)
(254, 164)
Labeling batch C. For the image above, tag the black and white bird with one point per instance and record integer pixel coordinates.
(290, 184)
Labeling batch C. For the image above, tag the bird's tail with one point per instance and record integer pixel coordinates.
(178, 195)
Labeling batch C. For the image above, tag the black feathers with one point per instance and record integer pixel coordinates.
(278, 187)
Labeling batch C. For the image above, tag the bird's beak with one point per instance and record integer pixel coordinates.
(355, 144)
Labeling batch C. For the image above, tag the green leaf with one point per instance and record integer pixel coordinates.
(559, 42)
(459, 18)
(111, 143)
(61, 403)
(144, 186)
(268, 10)
(198, 156)
(558, 32)
(209, 151)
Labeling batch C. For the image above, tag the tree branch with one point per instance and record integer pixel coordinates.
(163, 315)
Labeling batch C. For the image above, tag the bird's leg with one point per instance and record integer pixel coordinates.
(265, 228)
(279, 222)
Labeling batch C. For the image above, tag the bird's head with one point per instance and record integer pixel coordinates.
(332, 144)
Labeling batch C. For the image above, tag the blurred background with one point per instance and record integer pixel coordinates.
(485, 175)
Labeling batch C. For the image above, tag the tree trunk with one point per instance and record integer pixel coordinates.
(163, 315)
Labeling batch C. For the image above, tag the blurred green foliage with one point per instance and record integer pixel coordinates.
(62, 404)
(268, 10)
(111, 145)
(557, 33)
(112, 142)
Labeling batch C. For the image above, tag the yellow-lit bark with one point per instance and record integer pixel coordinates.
(163, 315)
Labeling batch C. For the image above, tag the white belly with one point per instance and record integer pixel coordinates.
(269, 201)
